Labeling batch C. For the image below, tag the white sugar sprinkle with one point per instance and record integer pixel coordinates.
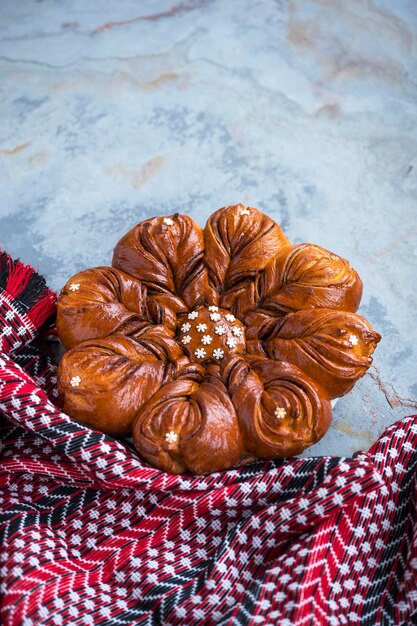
(230, 317)
(215, 317)
(353, 340)
(237, 331)
(213, 309)
(280, 412)
(171, 437)
(231, 343)
(75, 381)
(206, 339)
(185, 327)
(219, 330)
(74, 287)
(218, 353)
(201, 328)
(193, 315)
(186, 339)
(168, 221)
(200, 353)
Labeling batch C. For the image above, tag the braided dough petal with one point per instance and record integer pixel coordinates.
(281, 411)
(98, 302)
(104, 382)
(307, 276)
(197, 411)
(238, 246)
(334, 347)
(168, 259)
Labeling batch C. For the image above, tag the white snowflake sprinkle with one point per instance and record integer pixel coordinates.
(215, 317)
(219, 330)
(244, 211)
(280, 412)
(74, 287)
(236, 331)
(231, 343)
(200, 353)
(218, 353)
(213, 309)
(186, 339)
(201, 328)
(75, 381)
(185, 327)
(193, 315)
(206, 339)
(353, 340)
(168, 221)
(230, 317)
(171, 437)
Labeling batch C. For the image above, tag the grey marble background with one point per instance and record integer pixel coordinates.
(111, 112)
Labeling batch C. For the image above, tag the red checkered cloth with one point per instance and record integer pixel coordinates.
(93, 535)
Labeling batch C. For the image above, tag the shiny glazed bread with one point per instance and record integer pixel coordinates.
(212, 347)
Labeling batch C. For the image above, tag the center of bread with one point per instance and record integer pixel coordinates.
(210, 334)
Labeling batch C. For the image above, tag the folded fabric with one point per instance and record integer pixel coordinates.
(93, 535)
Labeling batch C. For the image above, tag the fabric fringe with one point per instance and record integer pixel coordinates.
(28, 291)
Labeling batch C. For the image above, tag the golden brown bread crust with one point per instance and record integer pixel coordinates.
(307, 276)
(212, 347)
(168, 260)
(98, 302)
(281, 411)
(195, 407)
(237, 248)
(118, 374)
(333, 347)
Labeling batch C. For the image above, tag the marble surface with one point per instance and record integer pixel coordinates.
(112, 112)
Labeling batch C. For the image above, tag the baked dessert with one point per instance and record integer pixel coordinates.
(212, 347)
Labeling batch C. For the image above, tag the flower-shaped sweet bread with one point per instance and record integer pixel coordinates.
(212, 347)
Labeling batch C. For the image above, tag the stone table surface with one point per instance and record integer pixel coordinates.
(112, 112)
